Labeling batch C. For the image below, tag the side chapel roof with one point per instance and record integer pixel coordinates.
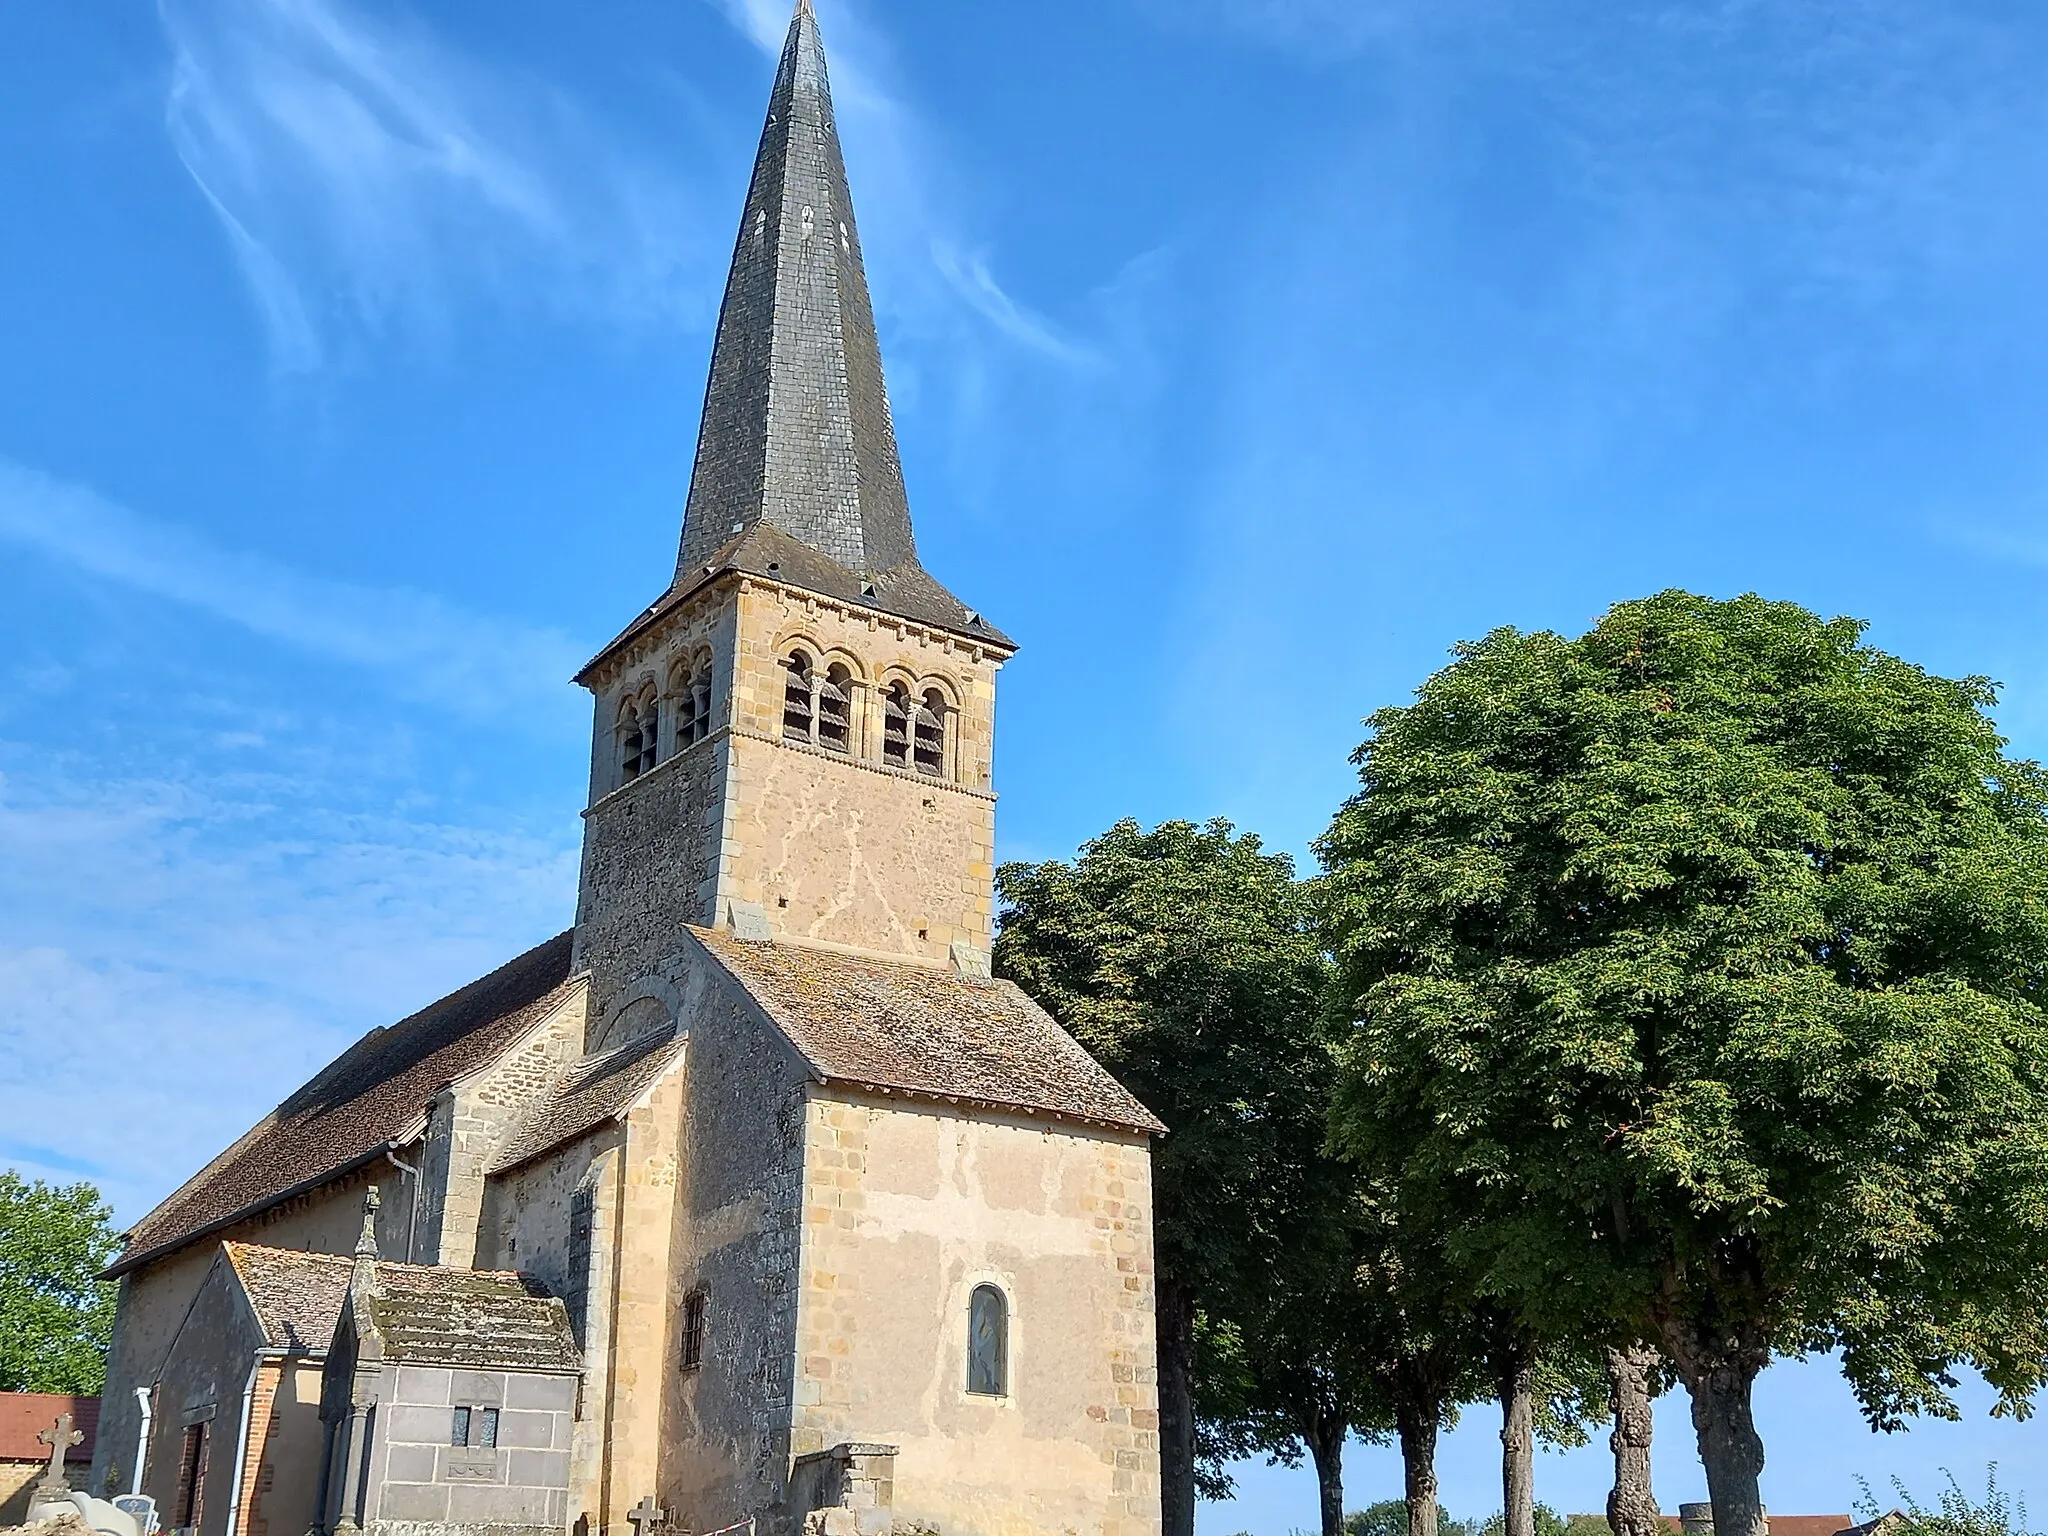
(595, 1090)
(364, 1101)
(914, 1029)
(426, 1314)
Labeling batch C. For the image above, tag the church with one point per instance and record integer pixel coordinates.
(752, 1201)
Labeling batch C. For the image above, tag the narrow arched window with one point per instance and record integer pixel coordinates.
(928, 745)
(988, 1343)
(639, 737)
(687, 719)
(650, 729)
(896, 709)
(700, 695)
(797, 690)
(835, 710)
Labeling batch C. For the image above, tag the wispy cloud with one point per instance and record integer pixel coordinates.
(179, 951)
(424, 646)
(938, 282)
(969, 277)
(364, 170)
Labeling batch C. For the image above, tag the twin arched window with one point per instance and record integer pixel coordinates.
(822, 710)
(639, 734)
(692, 696)
(988, 1342)
(640, 718)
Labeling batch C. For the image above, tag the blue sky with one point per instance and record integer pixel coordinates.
(1245, 355)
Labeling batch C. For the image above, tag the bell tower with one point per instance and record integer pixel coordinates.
(795, 739)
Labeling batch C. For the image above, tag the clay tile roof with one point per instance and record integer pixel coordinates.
(369, 1096)
(593, 1091)
(24, 1415)
(489, 1319)
(479, 1319)
(910, 1028)
(296, 1296)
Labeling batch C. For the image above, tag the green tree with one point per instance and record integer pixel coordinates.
(1186, 960)
(1701, 959)
(56, 1314)
(1291, 1369)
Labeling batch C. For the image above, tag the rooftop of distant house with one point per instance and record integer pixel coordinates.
(24, 1415)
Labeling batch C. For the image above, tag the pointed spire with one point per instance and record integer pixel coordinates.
(796, 430)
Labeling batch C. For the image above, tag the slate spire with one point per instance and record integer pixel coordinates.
(796, 430)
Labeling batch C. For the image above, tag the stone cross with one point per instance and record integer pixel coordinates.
(646, 1515)
(59, 1437)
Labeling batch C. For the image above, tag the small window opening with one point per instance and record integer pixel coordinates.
(796, 699)
(988, 1343)
(686, 716)
(474, 1428)
(896, 708)
(835, 699)
(930, 739)
(692, 704)
(693, 1330)
(487, 1428)
(458, 1432)
(191, 1475)
(639, 736)
(700, 695)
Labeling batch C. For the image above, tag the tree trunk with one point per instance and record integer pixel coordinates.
(1518, 1440)
(1631, 1506)
(1326, 1446)
(1417, 1426)
(1719, 1373)
(1174, 1313)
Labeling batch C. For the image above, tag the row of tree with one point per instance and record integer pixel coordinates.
(1671, 998)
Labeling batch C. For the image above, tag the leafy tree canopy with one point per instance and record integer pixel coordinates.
(1185, 959)
(56, 1315)
(1699, 961)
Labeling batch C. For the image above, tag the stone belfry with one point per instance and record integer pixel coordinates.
(794, 741)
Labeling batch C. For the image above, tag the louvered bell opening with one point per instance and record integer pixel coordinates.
(896, 728)
(796, 702)
(700, 695)
(629, 752)
(834, 717)
(686, 718)
(650, 735)
(930, 738)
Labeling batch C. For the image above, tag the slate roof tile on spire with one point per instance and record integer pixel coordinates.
(796, 429)
(797, 476)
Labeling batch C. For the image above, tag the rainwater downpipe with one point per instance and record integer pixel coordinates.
(242, 1439)
(412, 1218)
(146, 1399)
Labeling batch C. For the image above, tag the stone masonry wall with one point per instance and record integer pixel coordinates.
(154, 1298)
(528, 1225)
(518, 1486)
(726, 1447)
(649, 867)
(906, 1211)
(849, 850)
(837, 849)
(468, 1121)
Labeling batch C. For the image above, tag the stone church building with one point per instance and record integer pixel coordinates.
(751, 1197)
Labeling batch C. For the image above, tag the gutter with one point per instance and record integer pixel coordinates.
(412, 1218)
(147, 1401)
(242, 1439)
